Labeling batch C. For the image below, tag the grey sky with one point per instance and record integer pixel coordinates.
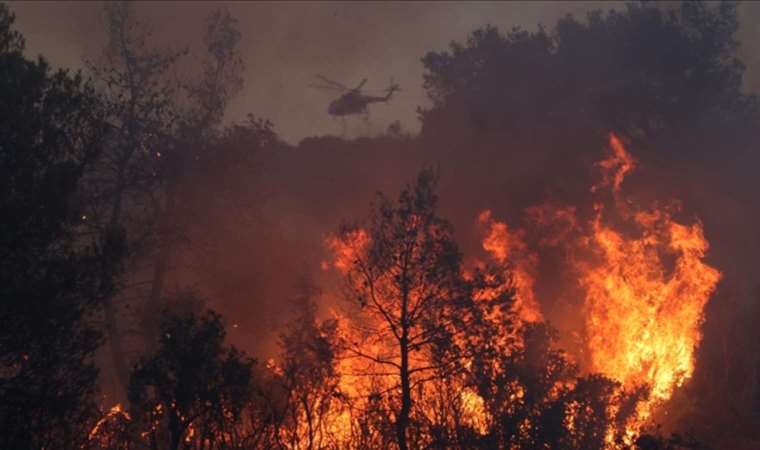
(286, 43)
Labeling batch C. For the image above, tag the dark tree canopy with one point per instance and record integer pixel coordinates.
(50, 282)
(194, 387)
(646, 71)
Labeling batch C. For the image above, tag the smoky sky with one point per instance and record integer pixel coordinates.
(284, 44)
(312, 187)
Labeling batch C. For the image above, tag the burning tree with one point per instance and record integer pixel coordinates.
(446, 354)
(430, 325)
(405, 273)
(644, 284)
(306, 379)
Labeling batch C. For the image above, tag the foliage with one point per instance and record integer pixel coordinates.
(165, 140)
(645, 71)
(50, 284)
(193, 388)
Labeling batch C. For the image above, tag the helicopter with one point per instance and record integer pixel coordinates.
(352, 101)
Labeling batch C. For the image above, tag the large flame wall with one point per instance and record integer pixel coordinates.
(641, 273)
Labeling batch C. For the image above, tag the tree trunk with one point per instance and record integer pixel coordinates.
(167, 237)
(402, 422)
(114, 341)
(112, 331)
(175, 433)
(309, 423)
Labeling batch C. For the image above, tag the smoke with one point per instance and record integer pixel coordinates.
(749, 36)
(285, 44)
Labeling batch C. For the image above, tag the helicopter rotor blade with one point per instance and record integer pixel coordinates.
(330, 82)
(326, 88)
(361, 85)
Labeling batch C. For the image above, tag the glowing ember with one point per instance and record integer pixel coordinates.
(102, 433)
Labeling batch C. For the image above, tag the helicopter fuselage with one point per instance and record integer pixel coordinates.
(353, 103)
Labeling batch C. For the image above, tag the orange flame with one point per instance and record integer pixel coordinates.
(504, 246)
(615, 168)
(644, 293)
(643, 319)
(100, 431)
(345, 250)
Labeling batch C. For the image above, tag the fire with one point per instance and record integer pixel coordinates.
(642, 318)
(616, 167)
(643, 322)
(345, 251)
(109, 429)
(645, 288)
(504, 246)
(641, 279)
(474, 410)
(116, 411)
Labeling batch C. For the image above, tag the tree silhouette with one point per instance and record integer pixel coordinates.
(405, 273)
(163, 137)
(137, 95)
(533, 395)
(193, 389)
(50, 284)
(306, 377)
(646, 72)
